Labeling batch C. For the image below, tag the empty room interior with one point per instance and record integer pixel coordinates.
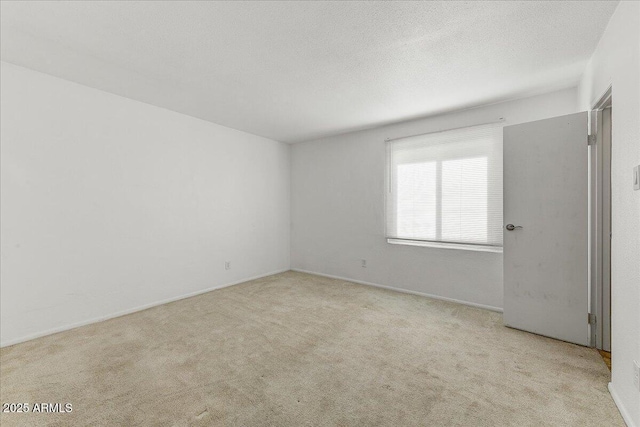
(320, 213)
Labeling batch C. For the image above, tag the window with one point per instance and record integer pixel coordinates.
(445, 189)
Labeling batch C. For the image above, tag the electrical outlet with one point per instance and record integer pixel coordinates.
(363, 263)
(227, 265)
(636, 374)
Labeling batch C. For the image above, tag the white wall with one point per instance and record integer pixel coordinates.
(337, 209)
(110, 204)
(616, 62)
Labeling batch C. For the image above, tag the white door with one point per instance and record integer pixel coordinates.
(545, 261)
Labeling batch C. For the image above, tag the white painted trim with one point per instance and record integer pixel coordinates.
(626, 416)
(404, 291)
(445, 245)
(132, 310)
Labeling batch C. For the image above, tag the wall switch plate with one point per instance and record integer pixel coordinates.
(363, 263)
(636, 178)
(636, 374)
(227, 265)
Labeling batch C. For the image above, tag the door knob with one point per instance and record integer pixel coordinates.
(512, 227)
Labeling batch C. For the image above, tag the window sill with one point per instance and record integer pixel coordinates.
(442, 245)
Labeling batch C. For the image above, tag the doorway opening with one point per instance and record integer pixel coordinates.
(601, 232)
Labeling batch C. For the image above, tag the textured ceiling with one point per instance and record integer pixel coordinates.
(294, 71)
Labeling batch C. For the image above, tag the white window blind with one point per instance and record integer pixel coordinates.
(447, 187)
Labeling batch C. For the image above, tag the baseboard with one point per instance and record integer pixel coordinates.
(626, 416)
(131, 310)
(404, 291)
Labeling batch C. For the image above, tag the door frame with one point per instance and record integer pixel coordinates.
(600, 220)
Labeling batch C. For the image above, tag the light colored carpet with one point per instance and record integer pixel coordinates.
(295, 349)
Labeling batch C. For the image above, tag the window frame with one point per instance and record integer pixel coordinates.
(439, 244)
